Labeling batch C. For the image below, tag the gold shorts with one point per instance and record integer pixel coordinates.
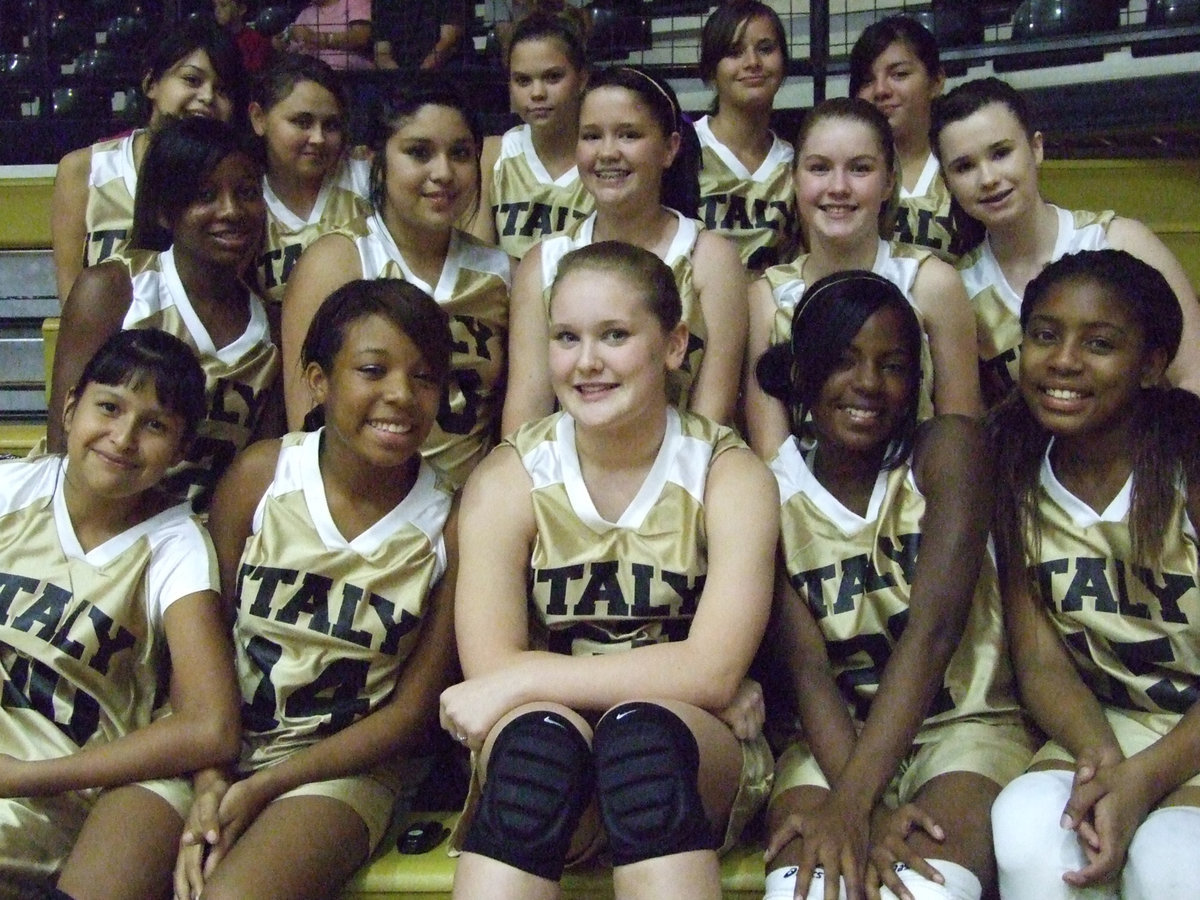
(1135, 730)
(999, 752)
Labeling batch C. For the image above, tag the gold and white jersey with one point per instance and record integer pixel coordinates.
(924, 214)
(324, 625)
(238, 377)
(82, 648)
(679, 260)
(894, 261)
(527, 204)
(755, 210)
(112, 185)
(998, 307)
(474, 290)
(1133, 633)
(855, 574)
(599, 586)
(344, 197)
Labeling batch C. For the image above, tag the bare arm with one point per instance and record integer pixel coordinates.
(483, 223)
(720, 280)
(1135, 238)
(203, 728)
(950, 324)
(766, 417)
(93, 312)
(705, 670)
(529, 395)
(329, 262)
(449, 34)
(68, 218)
(952, 469)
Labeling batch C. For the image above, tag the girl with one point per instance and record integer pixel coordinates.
(638, 158)
(888, 615)
(108, 586)
(895, 65)
(424, 175)
(845, 198)
(1099, 465)
(331, 544)
(531, 187)
(745, 175)
(198, 223)
(311, 186)
(991, 154)
(642, 536)
(195, 70)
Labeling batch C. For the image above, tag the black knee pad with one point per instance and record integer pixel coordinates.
(539, 782)
(647, 767)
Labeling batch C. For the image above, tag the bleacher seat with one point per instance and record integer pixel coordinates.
(273, 19)
(1056, 18)
(128, 33)
(1172, 12)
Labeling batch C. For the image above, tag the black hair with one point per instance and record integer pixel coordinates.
(179, 160)
(186, 38)
(636, 264)
(725, 27)
(1166, 420)
(877, 37)
(420, 90)
(139, 355)
(545, 25)
(403, 304)
(830, 313)
(963, 101)
(681, 182)
(861, 111)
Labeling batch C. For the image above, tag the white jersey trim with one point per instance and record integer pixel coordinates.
(1082, 515)
(928, 173)
(781, 153)
(109, 165)
(793, 476)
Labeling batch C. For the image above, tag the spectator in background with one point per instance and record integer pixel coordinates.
(254, 46)
(425, 34)
(335, 31)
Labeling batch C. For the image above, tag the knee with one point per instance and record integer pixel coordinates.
(1032, 850)
(1157, 863)
(647, 771)
(539, 781)
(958, 883)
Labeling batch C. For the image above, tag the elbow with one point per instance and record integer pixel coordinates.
(218, 740)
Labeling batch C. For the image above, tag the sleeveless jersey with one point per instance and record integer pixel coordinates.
(473, 289)
(924, 214)
(998, 307)
(1133, 633)
(343, 198)
(112, 184)
(755, 210)
(679, 260)
(855, 573)
(324, 625)
(527, 204)
(82, 648)
(894, 261)
(238, 376)
(598, 586)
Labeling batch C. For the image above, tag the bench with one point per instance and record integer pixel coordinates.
(391, 875)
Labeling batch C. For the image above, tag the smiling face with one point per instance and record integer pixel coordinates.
(431, 170)
(1083, 363)
(304, 132)
(544, 88)
(842, 181)
(902, 89)
(751, 71)
(120, 440)
(622, 151)
(381, 396)
(609, 354)
(991, 166)
(191, 87)
(864, 400)
(224, 224)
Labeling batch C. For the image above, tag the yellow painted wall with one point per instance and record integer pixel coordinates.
(25, 212)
